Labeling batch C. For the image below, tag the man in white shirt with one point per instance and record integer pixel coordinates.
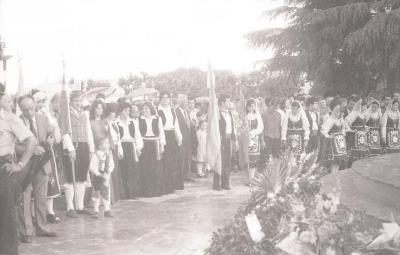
(228, 143)
(186, 149)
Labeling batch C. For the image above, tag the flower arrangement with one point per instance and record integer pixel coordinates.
(287, 213)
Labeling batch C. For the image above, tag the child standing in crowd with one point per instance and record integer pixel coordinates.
(201, 159)
(101, 166)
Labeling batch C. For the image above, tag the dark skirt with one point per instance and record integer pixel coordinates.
(392, 140)
(129, 170)
(81, 164)
(150, 169)
(333, 150)
(170, 162)
(10, 191)
(116, 185)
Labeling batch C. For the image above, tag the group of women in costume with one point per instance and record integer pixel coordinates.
(139, 146)
(341, 130)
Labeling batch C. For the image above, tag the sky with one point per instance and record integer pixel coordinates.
(106, 39)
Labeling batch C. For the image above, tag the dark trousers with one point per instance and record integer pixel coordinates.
(10, 191)
(313, 142)
(39, 188)
(185, 159)
(273, 147)
(226, 165)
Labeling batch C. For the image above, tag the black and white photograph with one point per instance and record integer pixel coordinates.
(188, 127)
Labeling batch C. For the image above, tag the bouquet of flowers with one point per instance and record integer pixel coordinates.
(288, 214)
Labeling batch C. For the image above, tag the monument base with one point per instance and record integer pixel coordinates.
(371, 185)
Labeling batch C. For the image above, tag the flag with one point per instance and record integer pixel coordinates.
(213, 135)
(21, 86)
(64, 115)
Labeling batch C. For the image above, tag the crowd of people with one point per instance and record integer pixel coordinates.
(126, 150)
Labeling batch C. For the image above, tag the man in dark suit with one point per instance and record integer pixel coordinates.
(186, 149)
(37, 179)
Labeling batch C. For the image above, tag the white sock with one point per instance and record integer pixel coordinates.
(69, 196)
(50, 208)
(106, 204)
(96, 204)
(80, 194)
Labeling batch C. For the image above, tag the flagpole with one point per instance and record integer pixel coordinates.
(69, 128)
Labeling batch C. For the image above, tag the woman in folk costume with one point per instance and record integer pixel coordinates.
(390, 127)
(357, 137)
(373, 116)
(132, 144)
(53, 189)
(255, 128)
(333, 150)
(152, 131)
(296, 129)
(80, 148)
(173, 139)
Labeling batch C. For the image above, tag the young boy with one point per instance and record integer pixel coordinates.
(101, 166)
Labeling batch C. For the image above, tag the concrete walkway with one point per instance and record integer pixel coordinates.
(176, 224)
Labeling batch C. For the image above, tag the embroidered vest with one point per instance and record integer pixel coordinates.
(79, 127)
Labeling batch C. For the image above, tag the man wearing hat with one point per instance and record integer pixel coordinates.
(80, 147)
(12, 130)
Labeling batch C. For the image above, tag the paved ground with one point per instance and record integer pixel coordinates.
(176, 224)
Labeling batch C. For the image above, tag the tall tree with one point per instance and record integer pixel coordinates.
(340, 46)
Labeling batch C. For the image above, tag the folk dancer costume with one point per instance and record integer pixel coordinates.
(12, 129)
(357, 137)
(82, 143)
(101, 167)
(37, 179)
(373, 122)
(333, 148)
(227, 131)
(132, 144)
(296, 131)
(173, 138)
(153, 136)
(390, 130)
(255, 129)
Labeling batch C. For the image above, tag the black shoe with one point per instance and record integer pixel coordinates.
(84, 212)
(96, 215)
(26, 239)
(48, 234)
(227, 188)
(72, 214)
(217, 188)
(52, 218)
(108, 214)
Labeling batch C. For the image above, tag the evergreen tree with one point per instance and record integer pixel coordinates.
(341, 46)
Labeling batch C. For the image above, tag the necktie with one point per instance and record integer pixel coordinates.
(186, 117)
(32, 127)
